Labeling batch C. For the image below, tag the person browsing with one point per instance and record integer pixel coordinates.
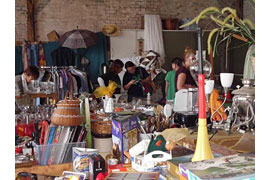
(112, 75)
(183, 77)
(170, 78)
(22, 81)
(134, 80)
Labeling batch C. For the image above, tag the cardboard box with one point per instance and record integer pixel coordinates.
(146, 162)
(53, 36)
(233, 167)
(81, 157)
(96, 166)
(125, 133)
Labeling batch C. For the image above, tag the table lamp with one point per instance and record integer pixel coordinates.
(226, 81)
(209, 86)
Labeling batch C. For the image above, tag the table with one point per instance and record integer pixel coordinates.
(40, 95)
(47, 170)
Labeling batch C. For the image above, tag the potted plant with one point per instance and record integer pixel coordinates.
(229, 25)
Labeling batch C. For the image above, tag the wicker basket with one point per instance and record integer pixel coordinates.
(67, 112)
(101, 128)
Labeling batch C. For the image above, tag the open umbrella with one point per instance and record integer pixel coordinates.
(78, 38)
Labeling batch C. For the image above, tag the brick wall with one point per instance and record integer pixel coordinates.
(20, 20)
(65, 15)
(249, 10)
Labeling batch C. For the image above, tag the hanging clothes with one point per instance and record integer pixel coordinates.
(18, 60)
(153, 39)
(34, 49)
(24, 56)
(63, 56)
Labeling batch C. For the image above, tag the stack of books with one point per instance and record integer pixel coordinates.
(58, 143)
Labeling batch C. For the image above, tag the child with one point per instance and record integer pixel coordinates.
(170, 78)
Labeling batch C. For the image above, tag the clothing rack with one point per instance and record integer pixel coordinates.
(58, 67)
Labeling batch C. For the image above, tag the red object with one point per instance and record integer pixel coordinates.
(101, 176)
(21, 129)
(18, 150)
(45, 126)
(229, 96)
(158, 143)
(202, 101)
(118, 167)
(29, 129)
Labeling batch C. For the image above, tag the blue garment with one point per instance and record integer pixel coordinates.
(35, 61)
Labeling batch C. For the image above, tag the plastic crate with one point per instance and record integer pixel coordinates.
(55, 153)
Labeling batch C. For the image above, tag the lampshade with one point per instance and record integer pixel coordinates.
(209, 86)
(226, 79)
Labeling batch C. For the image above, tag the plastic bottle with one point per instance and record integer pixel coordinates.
(148, 99)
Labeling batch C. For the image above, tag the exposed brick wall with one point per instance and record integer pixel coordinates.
(65, 15)
(20, 20)
(249, 10)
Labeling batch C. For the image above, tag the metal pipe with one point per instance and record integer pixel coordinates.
(199, 33)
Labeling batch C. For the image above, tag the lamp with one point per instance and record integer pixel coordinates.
(209, 86)
(226, 81)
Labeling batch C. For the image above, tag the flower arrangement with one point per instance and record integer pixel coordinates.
(228, 25)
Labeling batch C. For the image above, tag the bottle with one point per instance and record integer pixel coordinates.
(148, 99)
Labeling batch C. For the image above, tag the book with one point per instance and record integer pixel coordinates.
(77, 133)
(44, 144)
(62, 140)
(80, 138)
(233, 167)
(68, 146)
(48, 147)
(179, 153)
(55, 141)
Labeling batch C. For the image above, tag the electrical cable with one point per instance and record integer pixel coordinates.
(219, 107)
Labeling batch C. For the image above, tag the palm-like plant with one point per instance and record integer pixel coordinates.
(229, 25)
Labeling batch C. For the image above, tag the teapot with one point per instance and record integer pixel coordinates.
(108, 104)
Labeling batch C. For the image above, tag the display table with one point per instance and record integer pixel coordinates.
(33, 96)
(48, 170)
(223, 143)
(43, 95)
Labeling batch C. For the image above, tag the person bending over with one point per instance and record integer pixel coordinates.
(112, 75)
(22, 81)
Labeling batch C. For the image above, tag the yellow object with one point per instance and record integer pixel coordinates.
(107, 90)
(203, 149)
(73, 178)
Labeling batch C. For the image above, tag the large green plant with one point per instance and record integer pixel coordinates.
(228, 25)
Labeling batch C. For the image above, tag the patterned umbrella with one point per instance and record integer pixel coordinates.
(78, 38)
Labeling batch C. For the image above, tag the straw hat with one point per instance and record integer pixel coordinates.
(111, 30)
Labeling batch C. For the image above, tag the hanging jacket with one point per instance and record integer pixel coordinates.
(63, 56)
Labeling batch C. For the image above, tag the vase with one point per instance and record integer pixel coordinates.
(249, 66)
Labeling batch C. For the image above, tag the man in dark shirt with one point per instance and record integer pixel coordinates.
(134, 80)
(112, 75)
